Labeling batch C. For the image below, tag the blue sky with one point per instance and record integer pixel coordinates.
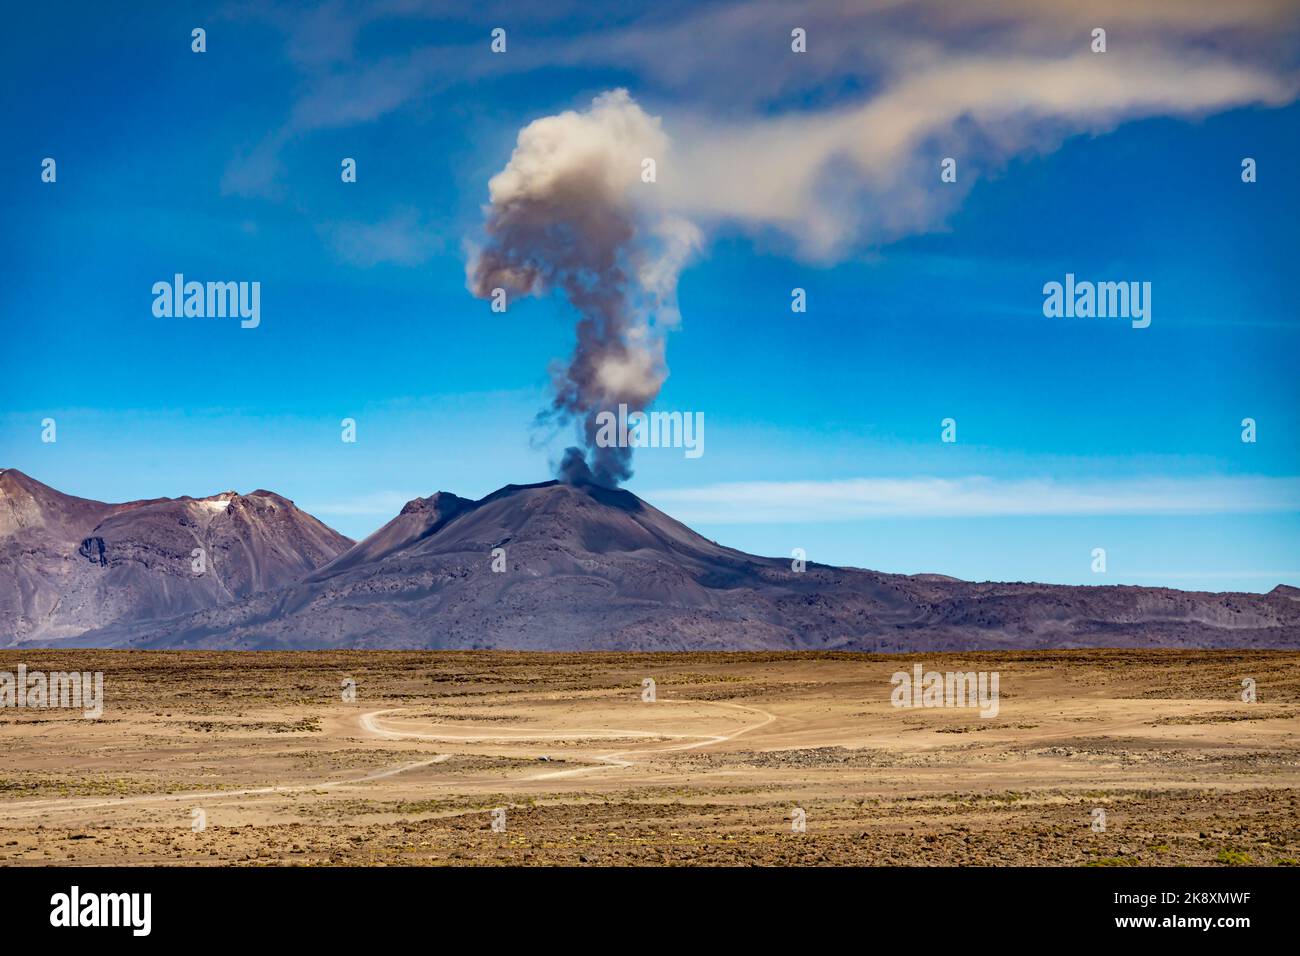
(923, 304)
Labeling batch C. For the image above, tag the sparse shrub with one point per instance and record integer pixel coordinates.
(1233, 858)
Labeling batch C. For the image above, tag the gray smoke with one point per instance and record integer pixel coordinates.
(574, 470)
(570, 212)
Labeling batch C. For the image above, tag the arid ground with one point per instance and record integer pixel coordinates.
(263, 750)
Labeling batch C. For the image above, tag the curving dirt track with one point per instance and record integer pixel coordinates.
(602, 761)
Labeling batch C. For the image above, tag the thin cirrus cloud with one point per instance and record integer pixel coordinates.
(384, 504)
(766, 502)
(402, 238)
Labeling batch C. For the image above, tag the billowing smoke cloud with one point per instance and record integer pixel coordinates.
(832, 153)
(570, 211)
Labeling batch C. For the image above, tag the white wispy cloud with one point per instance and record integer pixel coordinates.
(383, 503)
(1213, 575)
(761, 502)
(403, 238)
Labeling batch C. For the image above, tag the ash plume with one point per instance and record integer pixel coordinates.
(570, 212)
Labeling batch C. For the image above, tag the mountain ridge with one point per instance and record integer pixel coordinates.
(593, 568)
(71, 564)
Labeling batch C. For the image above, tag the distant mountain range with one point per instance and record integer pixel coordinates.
(579, 567)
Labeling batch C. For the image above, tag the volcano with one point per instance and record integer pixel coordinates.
(566, 567)
(69, 565)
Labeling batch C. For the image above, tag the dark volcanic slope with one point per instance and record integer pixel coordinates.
(71, 564)
(589, 568)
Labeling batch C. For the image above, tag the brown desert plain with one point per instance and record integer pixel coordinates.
(284, 771)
